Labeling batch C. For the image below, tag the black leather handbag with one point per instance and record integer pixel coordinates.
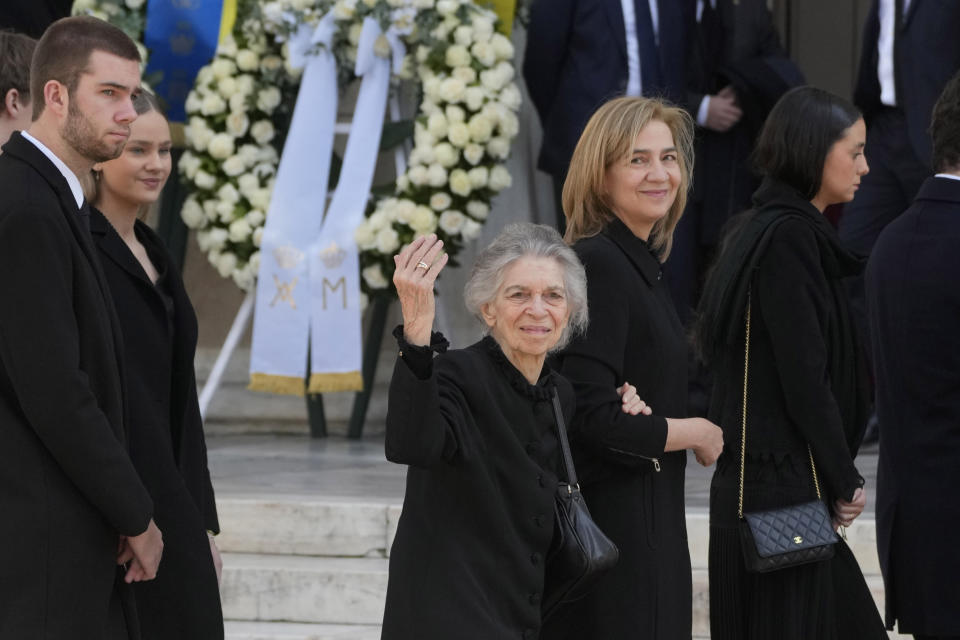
(580, 552)
(786, 536)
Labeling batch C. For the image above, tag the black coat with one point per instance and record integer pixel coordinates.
(166, 435)
(67, 485)
(576, 59)
(468, 558)
(634, 336)
(914, 312)
(928, 53)
(32, 17)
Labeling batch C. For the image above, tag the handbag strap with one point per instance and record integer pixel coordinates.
(562, 437)
(743, 418)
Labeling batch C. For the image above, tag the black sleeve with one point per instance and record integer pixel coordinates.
(594, 365)
(792, 294)
(420, 357)
(40, 349)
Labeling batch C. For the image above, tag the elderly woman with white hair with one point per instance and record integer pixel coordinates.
(477, 428)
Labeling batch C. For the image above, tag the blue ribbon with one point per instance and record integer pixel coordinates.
(182, 37)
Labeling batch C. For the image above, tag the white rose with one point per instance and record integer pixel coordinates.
(225, 264)
(223, 68)
(264, 170)
(451, 90)
(247, 60)
(429, 108)
(221, 146)
(447, 7)
(436, 175)
(491, 80)
(451, 222)
(403, 183)
(247, 183)
(192, 213)
(418, 175)
(459, 134)
(237, 124)
(502, 46)
(474, 97)
(482, 28)
(499, 147)
(388, 240)
(239, 230)
(216, 238)
(199, 137)
(262, 131)
(265, 154)
(509, 124)
(460, 182)
(204, 180)
(422, 136)
(226, 87)
(205, 75)
(374, 277)
(431, 87)
(225, 211)
(210, 211)
(437, 125)
(378, 219)
(249, 153)
(484, 53)
(189, 164)
(479, 177)
(440, 201)
(480, 128)
(258, 237)
(465, 74)
(405, 210)
(365, 236)
(228, 46)
(421, 155)
(473, 153)
(268, 99)
(212, 105)
(254, 261)
(446, 155)
(233, 166)
(238, 103)
(457, 56)
(499, 178)
(477, 209)
(455, 114)
(273, 11)
(271, 63)
(133, 4)
(344, 9)
(510, 96)
(245, 84)
(243, 278)
(255, 218)
(423, 220)
(471, 230)
(260, 199)
(463, 35)
(193, 103)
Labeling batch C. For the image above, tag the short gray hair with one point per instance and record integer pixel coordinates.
(528, 240)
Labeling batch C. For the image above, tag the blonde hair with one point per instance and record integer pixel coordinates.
(609, 137)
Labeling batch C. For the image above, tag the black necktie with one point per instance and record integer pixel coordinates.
(897, 71)
(651, 77)
(85, 215)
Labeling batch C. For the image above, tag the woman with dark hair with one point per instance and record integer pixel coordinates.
(623, 195)
(163, 417)
(782, 268)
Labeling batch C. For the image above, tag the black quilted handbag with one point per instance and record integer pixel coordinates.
(580, 552)
(786, 536)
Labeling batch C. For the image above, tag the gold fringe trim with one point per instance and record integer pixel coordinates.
(328, 382)
(270, 383)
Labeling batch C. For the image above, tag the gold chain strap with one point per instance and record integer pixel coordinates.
(743, 418)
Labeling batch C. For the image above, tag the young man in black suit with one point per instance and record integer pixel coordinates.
(74, 506)
(913, 305)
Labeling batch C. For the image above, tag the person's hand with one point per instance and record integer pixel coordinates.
(844, 513)
(146, 550)
(417, 268)
(630, 402)
(711, 442)
(217, 560)
(723, 111)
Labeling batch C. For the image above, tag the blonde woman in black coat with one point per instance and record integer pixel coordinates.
(164, 426)
(477, 428)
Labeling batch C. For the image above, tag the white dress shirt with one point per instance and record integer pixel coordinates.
(705, 101)
(70, 176)
(634, 81)
(888, 89)
(950, 176)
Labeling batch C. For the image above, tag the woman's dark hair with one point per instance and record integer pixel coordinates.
(145, 102)
(798, 134)
(945, 127)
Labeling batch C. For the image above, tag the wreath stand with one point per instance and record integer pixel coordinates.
(379, 306)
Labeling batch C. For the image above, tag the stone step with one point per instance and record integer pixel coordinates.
(238, 630)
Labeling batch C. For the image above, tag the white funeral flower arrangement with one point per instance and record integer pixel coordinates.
(128, 15)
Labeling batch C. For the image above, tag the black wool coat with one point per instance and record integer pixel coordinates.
(67, 485)
(914, 313)
(468, 558)
(634, 336)
(166, 436)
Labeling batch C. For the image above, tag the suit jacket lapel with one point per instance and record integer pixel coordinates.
(618, 29)
(113, 246)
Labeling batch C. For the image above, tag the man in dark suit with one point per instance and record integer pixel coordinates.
(74, 507)
(910, 50)
(581, 53)
(914, 312)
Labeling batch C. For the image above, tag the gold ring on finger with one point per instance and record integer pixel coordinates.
(423, 265)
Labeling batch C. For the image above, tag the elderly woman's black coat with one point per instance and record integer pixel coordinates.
(805, 387)
(634, 336)
(166, 435)
(477, 521)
